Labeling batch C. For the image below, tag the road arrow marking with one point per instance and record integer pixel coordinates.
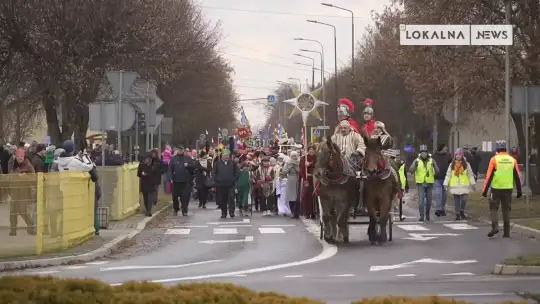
(428, 236)
(244, 221)
(425, 261)
(247, 239)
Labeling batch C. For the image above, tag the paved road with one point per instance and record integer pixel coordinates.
(440, 257)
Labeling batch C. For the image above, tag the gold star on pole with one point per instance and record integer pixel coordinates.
(306, 103)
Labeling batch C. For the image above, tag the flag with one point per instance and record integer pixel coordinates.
(243, 118)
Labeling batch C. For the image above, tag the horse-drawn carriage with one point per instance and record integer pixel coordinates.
(353, 191)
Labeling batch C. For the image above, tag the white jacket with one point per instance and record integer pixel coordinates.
(74, 163)
(459, 189)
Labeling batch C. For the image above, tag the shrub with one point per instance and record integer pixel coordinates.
(50, 290)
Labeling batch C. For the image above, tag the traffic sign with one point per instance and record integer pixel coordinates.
(322, 128)
(271, 99)
(47, 140)
(243, 133)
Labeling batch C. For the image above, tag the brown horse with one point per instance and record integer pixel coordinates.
(335, 191)
(379, 189)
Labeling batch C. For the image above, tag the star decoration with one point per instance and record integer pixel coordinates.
(306, 103)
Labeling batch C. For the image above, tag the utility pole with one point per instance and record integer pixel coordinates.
(507, 80)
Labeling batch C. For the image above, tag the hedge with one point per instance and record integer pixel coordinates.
(50, 290)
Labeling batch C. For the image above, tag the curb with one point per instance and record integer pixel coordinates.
(84, 257)
(501, 269)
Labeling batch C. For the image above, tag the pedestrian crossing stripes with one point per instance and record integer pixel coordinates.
(416, 227)
(225, 231)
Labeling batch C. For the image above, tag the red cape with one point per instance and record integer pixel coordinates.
(368, 127)
(354, 125)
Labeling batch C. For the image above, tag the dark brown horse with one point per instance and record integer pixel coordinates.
(379, 189)
(335, 190)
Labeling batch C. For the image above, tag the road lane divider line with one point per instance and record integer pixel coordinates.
(342, 275)
(293, 276)
(192, 226)
(271, 230)
(327, 252)
(235, 226)
(406, 275)
(141, 267)
(225, 231)
(178, 231)
(244, 221)
(277, 225)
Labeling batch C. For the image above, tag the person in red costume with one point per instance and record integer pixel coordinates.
(344, 111)
(369, 118)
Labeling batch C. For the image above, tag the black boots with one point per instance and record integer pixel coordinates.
(494, 229)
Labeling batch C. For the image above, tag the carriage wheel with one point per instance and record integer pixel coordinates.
(401, 218)
(390, 224)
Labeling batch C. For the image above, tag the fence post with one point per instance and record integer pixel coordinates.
(40, 192)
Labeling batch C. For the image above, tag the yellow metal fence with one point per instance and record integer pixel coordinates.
(46, 212)
(119, 190)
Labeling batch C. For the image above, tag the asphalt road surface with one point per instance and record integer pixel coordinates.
(274, 253)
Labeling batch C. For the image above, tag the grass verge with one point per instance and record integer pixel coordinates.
(524, 260)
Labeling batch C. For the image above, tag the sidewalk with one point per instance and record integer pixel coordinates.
(100, 245)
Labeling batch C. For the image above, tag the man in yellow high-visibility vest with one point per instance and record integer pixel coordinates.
(502, 174)
(424, 168)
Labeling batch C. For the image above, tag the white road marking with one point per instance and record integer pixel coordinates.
(460, 226)
(342, 275)
(225, 231)
(245, 240)
(75, 267)
(178, 231)
(450, 222)
(412, 227)
(192, 226)
(45, 272)
(285, 225)
(157, 266)
(294, 276)
(425, 261)
(234, 226)
(406, 275)
(487, 294)
(244, 221)
(327, 252)
(428, 236)
(97, 263)
(271, 230)
(458, 274)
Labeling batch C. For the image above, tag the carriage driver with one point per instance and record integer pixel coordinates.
(350, 143)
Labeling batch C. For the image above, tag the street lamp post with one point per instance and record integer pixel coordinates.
(335, 52)
(352, 42)
(322, 64)
(312, 69)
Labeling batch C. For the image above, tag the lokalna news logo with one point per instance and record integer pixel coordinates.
(456, 34)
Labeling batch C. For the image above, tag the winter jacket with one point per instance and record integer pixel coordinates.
(39, 164)
(442, 160)
(24, 167)
(151, 179)
(73, 163)
(4, 159)
(166, 156)
(202, 174)
(225, 174)
(178, 171)
(459, 189)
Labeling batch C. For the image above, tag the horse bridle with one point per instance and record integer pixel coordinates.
(382, 169)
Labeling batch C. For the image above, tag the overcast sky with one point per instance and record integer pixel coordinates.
(260, 45)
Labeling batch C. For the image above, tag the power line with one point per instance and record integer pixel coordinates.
(270, 63)
(259, 51)
(273, 13)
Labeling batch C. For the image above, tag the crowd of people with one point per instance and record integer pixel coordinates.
(265, 180)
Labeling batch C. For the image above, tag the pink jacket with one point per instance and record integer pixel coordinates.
(166, 155)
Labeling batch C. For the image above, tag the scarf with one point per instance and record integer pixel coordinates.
(458, 168)
(204, 162)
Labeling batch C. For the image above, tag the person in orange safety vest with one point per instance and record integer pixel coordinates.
(502, 175)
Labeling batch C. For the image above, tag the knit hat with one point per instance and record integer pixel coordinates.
(68, 146)
(226, 152)
(459, 152)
